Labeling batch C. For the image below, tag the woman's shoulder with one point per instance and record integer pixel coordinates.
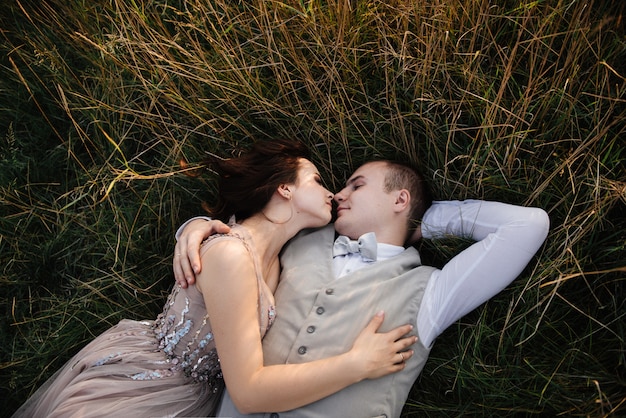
(234, 244)
(227, 258)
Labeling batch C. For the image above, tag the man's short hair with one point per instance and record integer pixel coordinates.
(403, 176)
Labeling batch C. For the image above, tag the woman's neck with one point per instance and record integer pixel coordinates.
(268, 238)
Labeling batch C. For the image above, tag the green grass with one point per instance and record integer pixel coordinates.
(521, 101)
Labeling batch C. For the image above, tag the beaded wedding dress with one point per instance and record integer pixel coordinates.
(164, 367)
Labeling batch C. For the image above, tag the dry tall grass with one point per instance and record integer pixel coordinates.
(521, 101)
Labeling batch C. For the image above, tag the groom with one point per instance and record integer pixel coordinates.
(326, 296)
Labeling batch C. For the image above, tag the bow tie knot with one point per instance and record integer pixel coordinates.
(365, 245)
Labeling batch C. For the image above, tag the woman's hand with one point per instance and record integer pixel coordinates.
(186, 261)
(379, 354)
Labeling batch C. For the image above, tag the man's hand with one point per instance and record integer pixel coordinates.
(416, 235)
(186, 261)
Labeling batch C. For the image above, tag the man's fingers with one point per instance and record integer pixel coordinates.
(222, 228)
(183, 272)
(187, 269)
(181, 269)
(192, 252)
(416, 236)
(187, 262)
(178, 273)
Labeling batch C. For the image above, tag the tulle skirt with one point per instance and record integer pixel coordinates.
(122, 373)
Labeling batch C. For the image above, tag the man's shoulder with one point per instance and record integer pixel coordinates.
(323, 232)
(310, 241)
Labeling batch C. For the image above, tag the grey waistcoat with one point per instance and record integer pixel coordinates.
(319, 316)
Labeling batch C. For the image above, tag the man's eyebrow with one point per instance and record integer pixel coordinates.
(353, 180)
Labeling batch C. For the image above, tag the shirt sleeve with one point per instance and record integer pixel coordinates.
(507, 238)
(180, 228)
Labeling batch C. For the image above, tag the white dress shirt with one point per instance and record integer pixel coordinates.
(508, 236)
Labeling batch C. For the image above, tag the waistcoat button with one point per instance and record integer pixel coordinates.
(302, 350)
(330, 291)
(320, 310)
(310, 329)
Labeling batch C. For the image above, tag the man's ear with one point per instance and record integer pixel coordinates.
(403, 200)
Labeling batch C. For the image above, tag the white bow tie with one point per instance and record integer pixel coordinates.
(366, 246)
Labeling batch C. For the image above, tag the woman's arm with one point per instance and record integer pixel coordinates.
(230, 291)
(507, 238)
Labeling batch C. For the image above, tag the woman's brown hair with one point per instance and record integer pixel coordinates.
(246, 183)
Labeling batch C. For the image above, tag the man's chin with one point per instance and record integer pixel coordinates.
(341, 227)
